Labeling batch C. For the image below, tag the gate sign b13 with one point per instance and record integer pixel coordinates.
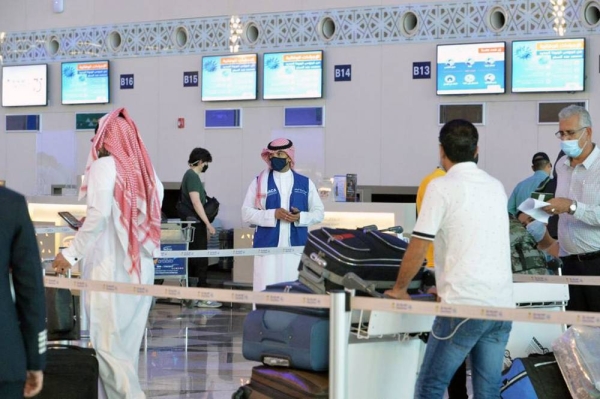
(422, 70)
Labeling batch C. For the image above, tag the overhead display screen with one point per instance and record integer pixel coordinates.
(85, 82)
(474, 68)
(229, 77)
(293, 75)
(24, 85)
(548, 65)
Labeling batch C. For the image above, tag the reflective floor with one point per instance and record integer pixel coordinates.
(193, 353)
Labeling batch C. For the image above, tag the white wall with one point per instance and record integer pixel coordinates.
(382, 125)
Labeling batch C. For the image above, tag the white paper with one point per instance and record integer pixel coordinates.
(532, 207)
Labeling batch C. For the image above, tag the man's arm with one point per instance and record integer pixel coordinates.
(316, 209)
(410, 266)
(587, 213)
(29, 289)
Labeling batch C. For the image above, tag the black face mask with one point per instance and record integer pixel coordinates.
(278, 164)
(204, 168)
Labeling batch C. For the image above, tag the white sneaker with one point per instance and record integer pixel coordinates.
(208, 304)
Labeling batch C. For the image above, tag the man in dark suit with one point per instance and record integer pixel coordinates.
(23, 317)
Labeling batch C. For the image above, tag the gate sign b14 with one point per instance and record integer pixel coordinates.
(342, 73)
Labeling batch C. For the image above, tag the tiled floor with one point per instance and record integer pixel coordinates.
(193, 353)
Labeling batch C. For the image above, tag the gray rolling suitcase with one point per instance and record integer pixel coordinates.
(287, 336)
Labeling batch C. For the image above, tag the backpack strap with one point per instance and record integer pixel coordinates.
(540, 188)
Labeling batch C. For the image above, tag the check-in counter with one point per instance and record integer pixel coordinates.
(43, 211)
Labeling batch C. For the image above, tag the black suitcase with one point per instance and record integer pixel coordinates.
(330, 255)
(71, 373)
(287, 336)
(534, 377)
(277, 383)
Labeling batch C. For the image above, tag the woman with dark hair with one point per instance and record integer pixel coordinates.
(192, 199)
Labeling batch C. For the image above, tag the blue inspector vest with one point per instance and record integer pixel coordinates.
(265, 237)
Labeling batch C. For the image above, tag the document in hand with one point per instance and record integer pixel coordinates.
(533, 208)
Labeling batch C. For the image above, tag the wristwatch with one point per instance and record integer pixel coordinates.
(572, 207)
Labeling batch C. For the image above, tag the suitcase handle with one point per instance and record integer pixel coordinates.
(374, 234)
(332, 238)
(275, 335)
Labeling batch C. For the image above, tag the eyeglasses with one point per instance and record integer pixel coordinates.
(568, 133)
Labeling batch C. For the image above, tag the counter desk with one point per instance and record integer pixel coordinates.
(175, 235)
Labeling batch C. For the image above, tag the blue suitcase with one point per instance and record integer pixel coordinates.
(285, 336)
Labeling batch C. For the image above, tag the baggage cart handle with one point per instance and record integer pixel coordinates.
(353, 282)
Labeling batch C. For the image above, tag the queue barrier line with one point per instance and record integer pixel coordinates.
(530, 315)
(208, 253)
(169, 291)
(571, 280)
(53, 230)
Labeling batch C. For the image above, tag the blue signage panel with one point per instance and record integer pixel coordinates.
(421, 70)
(171, 266)
(342, 73)
(190, 79)
(126, 81)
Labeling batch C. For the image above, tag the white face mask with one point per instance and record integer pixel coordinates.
(571, 147)
(537, 229)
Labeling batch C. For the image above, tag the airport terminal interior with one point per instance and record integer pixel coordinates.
(362, 89)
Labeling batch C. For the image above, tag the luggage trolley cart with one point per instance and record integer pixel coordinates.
(175, 235)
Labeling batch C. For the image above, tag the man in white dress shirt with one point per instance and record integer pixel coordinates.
(281, 204)
(577, 201)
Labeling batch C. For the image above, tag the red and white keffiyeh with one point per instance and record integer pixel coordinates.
(280, 144)
(135, 189)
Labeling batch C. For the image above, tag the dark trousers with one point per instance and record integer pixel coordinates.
(582, 297)
(198, 267)
(12, 390)
(458, 384)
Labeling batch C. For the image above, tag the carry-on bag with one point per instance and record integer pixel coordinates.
(71, 373)
(373, 256)
(62, 314)
(534, 377)
(277, 383)
(287, 336)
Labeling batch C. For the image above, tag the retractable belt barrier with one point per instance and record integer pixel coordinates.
(323, 301)
(572, 280)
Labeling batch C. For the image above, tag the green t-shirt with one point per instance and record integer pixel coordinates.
(191, 182)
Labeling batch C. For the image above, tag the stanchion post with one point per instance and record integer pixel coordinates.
(338, 344)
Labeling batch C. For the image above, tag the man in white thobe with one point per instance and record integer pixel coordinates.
(281, 204)
(117, 243)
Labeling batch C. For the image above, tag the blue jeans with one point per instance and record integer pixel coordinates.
(484, 340)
